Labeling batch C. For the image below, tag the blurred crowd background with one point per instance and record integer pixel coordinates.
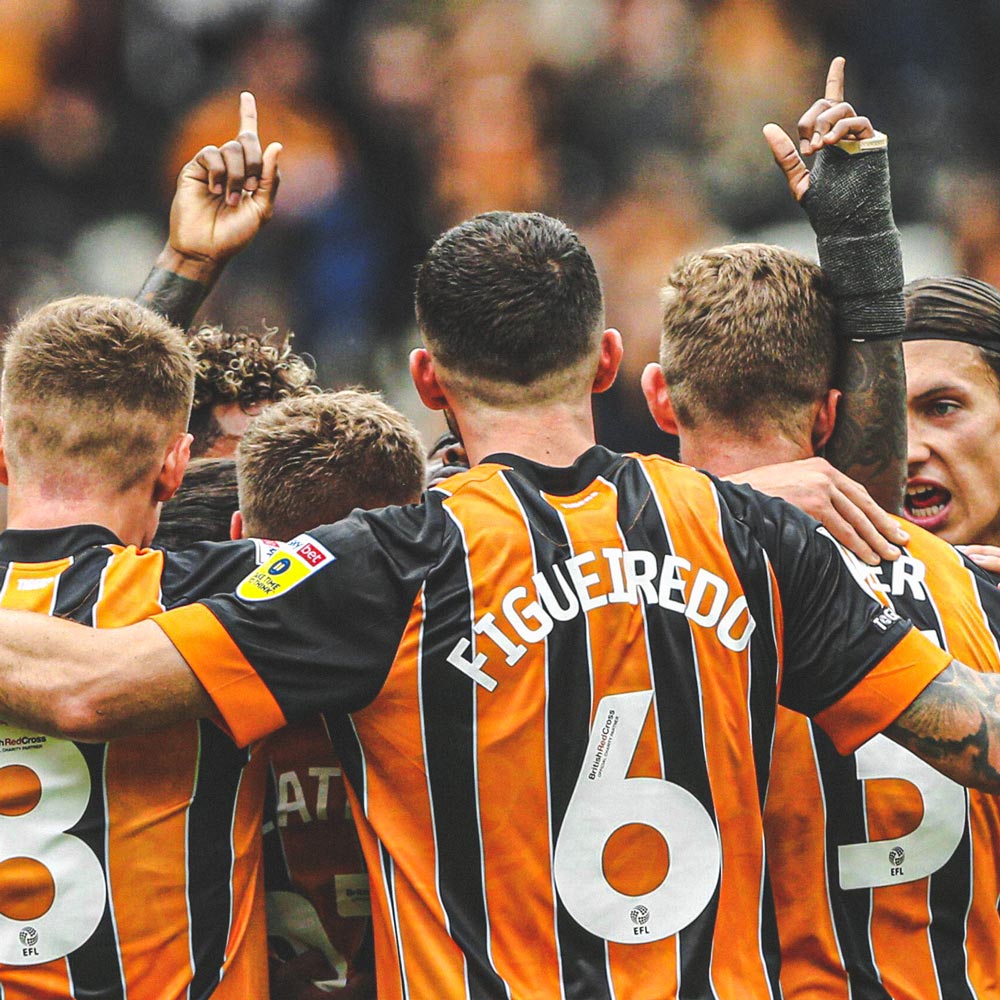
(637, 121)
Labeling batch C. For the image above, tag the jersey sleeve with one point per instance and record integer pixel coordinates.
(849, 660)
(315, 627)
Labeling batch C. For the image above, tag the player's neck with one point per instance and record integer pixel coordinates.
(555, 434)
(727, 454)
(40, 506)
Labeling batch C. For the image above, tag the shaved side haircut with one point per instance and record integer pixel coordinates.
(507, 302)
(748, 335)
(313, 459)
(94, 383)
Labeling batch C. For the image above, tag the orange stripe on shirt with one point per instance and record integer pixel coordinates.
(511, 755)
(32, 586)
(247, 706)
(796, 851)
(636, 856)
(395, 772)
(692, 517)
(151, 858)
(879, 697)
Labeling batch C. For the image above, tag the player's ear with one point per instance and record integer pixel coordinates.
(4, 474)
(425, 380)
(825, 419)
(609, 362)
(657, 393)
(237, 529)
(175, 463)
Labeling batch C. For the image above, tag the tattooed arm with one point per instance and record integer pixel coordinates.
(846, 196)
(869, 438)
(224, 195)
(954, 725)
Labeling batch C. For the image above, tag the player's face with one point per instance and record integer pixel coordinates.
(233, 420)
(953, 403)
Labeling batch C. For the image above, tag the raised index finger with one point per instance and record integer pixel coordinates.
(248, 114)
(249, 141)
(835, 80)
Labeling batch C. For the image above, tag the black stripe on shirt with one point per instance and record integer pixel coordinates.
(95, 969)
(582, 955)
(844, 798)
(449, 720)
(678, 707)
(211, 816)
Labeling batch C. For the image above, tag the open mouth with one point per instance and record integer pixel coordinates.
(925, 503)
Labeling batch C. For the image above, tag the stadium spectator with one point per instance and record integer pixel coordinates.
(420, 622)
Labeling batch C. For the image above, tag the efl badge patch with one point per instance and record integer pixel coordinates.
(286, 568)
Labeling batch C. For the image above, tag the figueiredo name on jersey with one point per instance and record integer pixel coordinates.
(528, 614)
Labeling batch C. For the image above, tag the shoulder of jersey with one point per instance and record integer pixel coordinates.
(478, 474)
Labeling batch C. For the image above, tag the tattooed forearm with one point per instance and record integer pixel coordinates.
(869, 438)
(173, 296)
(954, 725)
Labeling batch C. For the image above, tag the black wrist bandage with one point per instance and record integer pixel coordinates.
(174, 297)
(850, 210)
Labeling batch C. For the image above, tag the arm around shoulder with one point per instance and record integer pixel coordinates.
(86, 684)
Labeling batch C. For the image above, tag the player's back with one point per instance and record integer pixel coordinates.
(885, 872)
(129, 868)
(586, 684)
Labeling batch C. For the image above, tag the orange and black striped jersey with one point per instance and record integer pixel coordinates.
(562, 687)
(886, 874)
(128, 869)
(317, 886)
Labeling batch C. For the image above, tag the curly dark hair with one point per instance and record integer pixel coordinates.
(245, 368)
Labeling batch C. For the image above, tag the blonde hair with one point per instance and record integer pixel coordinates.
(748, 335)
(312, 459)
(94, 384)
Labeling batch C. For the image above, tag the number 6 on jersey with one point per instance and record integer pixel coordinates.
(604, 800)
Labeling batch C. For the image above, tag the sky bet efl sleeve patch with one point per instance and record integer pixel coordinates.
(287, 566)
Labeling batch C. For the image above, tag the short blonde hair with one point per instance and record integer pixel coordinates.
(748, 335)
(311, 460)
(97, 383)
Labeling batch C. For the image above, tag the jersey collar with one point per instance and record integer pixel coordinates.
(44, 544)
(565, 481)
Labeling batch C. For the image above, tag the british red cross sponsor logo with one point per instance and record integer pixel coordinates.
(312, 555)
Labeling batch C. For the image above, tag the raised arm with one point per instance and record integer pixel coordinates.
(846, 197)
(224, 195)
(81, 683)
